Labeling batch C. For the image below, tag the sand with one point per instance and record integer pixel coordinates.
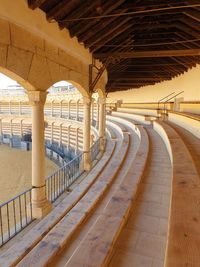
(15, 171)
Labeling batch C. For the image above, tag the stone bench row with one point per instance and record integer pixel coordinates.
(184, 230)
(183, 248)
(13, 255)
(60, 235)
(96, 249)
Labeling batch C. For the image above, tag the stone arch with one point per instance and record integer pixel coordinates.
(14, 76)
(76, 84)
(36, 62)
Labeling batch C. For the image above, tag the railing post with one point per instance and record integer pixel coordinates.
(40, 205)
(86, 133)
(102, 120)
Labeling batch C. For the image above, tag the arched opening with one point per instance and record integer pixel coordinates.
(15, 138)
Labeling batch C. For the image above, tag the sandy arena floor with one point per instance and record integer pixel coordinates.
(15, 171)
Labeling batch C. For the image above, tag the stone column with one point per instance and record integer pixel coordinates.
(61, 108)
(97, 114)
(20, 109)
(68, 139)
(60, 137)
(69, 109)
(21, 128)
(77, 109)
(92, 110)
(52, 108)
(77, 143)
(10, 108)
(1, 132)
(11, 128)
(102, 120)
(52, 132)
(40, 205)
(86, 133)
(92, 140)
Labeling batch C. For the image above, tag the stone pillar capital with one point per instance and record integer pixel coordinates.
(37, 97)
(102, 100)
(86, 100)
(92, 100)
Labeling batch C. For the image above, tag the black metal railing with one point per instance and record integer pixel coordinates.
(60, 181)
(15, 215)
(95, 149)
(164, 98)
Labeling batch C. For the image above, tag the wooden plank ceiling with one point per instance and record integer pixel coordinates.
(147, 41)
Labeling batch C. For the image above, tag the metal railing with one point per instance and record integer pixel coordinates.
(160, 101)
(167, 101)
(15, 215)
(95, 149)
(60, 181)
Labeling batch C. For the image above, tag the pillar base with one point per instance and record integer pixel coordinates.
(41, 209)
(87, 165)
(102, 144)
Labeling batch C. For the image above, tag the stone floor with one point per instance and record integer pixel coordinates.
(142, 242)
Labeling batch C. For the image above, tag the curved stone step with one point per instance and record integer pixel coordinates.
(184, 230)
(95, 191)
(96, 248)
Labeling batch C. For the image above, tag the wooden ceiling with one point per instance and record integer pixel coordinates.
(144, 41)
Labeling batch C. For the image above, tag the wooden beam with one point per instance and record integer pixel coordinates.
(145, 54)
(129, 79)
(115, 33)
(58, 10)
(78, 28)
(102, 35)
(33, 4)
(194, 14)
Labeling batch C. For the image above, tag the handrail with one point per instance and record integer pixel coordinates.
(174, 96)
(170, 99)
(164, 98)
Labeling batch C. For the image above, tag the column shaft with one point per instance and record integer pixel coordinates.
(102, 118)
(77, 110)
(86, 133)
(40, 205)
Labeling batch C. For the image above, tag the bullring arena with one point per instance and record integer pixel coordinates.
(107, 166)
